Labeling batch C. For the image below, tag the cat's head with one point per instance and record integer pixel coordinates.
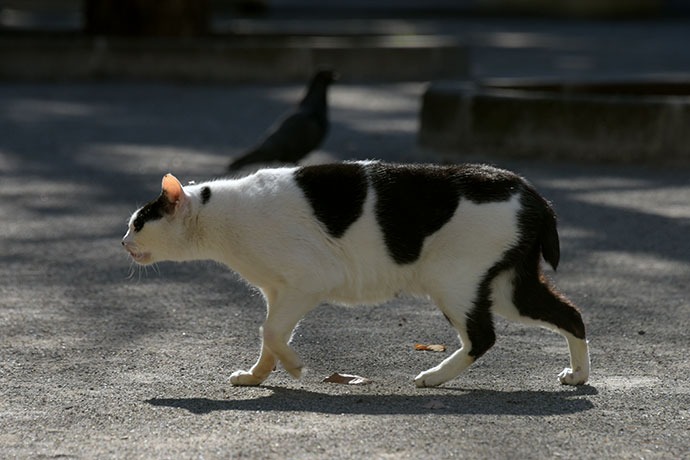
(158, 230)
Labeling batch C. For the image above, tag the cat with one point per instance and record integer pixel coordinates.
(469, 237)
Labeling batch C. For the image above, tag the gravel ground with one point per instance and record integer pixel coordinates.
(101, 360)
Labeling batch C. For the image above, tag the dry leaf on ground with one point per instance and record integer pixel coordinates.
(434, 347)
(347, 379)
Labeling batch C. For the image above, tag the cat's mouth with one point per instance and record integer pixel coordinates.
(139, 257)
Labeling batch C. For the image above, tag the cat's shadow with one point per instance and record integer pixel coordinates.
(455, 401)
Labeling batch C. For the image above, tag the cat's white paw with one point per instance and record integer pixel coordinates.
(296, 372)
(573, 377)
(244, 378)
(429, 379)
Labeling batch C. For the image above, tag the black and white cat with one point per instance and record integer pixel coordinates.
(469, 237)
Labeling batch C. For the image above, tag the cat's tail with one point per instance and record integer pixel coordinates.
(550, 245)
(543, 221)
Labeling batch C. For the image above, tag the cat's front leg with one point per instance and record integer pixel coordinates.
(277, 339)
(285, 309)
(259, 371)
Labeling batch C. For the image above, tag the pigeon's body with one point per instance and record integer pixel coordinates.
(298, 133)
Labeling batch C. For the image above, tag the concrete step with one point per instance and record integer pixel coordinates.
(239, 58)
(629, 120)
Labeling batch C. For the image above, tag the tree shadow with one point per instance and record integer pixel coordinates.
(456, 401)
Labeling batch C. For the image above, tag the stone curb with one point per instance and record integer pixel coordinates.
(644, 120)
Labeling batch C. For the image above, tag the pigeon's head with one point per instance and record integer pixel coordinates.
(325, 76)
(315, 99)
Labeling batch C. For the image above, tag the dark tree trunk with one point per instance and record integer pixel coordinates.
(146, 17)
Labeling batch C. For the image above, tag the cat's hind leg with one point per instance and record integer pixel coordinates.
(472, 319)
(528, 298)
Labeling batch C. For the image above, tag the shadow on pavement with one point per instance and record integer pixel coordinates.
(471, 402)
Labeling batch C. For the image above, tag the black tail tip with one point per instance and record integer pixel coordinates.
(550, 246)
(551, 260)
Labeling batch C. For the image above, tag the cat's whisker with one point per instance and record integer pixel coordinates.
(131, 270)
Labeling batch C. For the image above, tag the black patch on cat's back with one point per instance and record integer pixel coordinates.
(205, 195)
(481, 183)
(415, 201)
(336, 193)
(412, 203)
(154, 210)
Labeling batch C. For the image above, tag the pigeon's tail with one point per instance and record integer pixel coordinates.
(253, 156)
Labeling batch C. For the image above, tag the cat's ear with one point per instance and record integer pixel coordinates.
(173, 191)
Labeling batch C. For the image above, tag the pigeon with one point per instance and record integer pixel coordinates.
(300, 131)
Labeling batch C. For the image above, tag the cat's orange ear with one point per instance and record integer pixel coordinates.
(172, 189)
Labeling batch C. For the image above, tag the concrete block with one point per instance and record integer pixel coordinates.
(574, 8)
(643, 121)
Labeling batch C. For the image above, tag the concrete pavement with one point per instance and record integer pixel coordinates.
(98, 360)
